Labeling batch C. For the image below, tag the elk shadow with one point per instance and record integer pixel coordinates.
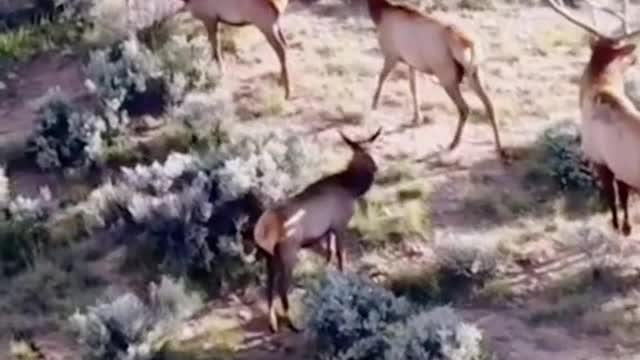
(488, 194)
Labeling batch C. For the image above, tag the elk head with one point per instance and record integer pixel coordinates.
(361, 169)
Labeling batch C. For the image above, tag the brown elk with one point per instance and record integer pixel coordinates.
(434, 47)
(321, 211)
(610, 128)
(264, 14)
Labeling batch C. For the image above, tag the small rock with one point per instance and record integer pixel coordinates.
(187, 332)
(244, 315)
(3, 86)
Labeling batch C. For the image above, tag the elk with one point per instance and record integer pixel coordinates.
(321, 211)
(264, 14)
(442, 50)
(610, 128)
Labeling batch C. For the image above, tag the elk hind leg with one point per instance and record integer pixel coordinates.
(476, 85)
(288, 254)
(463, 111)
(272, 279)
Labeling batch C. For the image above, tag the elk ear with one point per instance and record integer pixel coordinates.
(627, 50)
(352, 144)
(373, 137)
(593, 41)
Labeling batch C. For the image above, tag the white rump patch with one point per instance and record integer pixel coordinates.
(295, 218)
(289, 225)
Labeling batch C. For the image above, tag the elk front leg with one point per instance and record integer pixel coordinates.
(216, 51)
(389, 64)
(623, 194)
(276, 40)
(606, 177)
(413, 85)
(339, 241)
(331, 244)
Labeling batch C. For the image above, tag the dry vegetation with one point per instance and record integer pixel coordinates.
(522, 253)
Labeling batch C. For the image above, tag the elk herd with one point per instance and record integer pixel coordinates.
(610, 126)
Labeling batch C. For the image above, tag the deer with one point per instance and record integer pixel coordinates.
(319, 212)
(263, 14)
(610, 127)
(443, 51)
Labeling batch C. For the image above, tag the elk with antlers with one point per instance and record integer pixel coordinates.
(264, 14)
(434, 47)
(321, 211)
(610, 127)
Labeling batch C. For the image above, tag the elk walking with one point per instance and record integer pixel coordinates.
(264, 14)
(431, 46)
(321, 211)
(610, 128)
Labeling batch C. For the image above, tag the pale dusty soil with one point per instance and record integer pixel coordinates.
(533, 61)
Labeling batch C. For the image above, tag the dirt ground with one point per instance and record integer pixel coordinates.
(533, 59)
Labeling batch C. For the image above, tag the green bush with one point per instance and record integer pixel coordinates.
(131, 79)
(191, 212)
(23, 233)
(20, 243)
(127, 328)
(559, 157)
(65, 137)
(353, 319)
(39, 299)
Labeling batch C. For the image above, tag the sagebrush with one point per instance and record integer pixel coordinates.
(353, 319)
(192, 212)
(125, 327)
(560, 158)
(65, 136)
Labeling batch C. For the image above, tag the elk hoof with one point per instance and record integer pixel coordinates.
(626, 229)
(504, 156)
(614, 223)
(273, 321)
(292, 326)
(453, 145)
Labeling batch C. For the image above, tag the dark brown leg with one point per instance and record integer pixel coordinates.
(606, 177)
(340, 249)
(271, 281)
(289, 256)
(331, 238)
(623, 194)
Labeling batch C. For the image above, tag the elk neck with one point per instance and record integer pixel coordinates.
(359, 174)
(375, 9)
(604, 69)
